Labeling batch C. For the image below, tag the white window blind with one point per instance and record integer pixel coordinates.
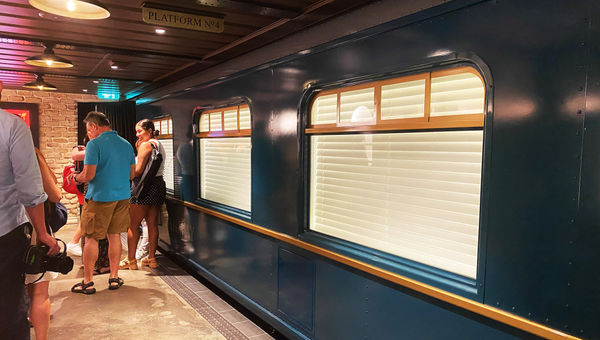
(403, 100)
(357, 106)
(415, 195)
(168, 159)
(457, 94)
(225, 171)
(216, 121)
(164, 127)
(244, 118)
(230, 119)
(204, 123)
(324, 110)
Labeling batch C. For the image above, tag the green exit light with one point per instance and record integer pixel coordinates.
(114, 96)
(108, 89)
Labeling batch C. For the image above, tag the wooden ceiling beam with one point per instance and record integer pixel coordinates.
(95, 48)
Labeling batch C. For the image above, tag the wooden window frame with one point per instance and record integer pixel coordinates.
(224, 133)
(157, 125)
(415, 123)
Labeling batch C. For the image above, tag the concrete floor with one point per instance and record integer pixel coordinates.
(144, 307)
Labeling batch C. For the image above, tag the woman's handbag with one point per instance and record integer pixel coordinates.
(139, 187)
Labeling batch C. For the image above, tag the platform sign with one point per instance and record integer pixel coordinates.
(161, 17)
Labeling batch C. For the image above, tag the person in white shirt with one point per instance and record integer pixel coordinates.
(21, 195)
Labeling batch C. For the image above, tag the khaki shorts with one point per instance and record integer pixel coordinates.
(101, 218)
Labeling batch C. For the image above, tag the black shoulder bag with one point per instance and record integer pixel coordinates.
(139, 188)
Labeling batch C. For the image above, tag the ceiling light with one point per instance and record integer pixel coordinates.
(40, 84)
(160, 31)
(95, 81)
(118, 65)
(77, 9)
(49, 59)
(84, 90)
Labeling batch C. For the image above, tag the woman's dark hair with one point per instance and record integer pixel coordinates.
(147, 124)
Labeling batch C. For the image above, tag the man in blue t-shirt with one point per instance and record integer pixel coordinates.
(109, 164)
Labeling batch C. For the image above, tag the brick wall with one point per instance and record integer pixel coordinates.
(58, 130)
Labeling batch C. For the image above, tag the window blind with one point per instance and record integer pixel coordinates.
(324, 110)
(216, 121)
(204, 123)
(244, 118)
(225, 171)
(457, 94)
(230, 120)
(403, 100)
(415, 195)
(168, 159)
(357, 106)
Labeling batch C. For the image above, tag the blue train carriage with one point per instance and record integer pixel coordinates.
(432, 177)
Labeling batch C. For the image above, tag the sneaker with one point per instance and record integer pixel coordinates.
(74, 249)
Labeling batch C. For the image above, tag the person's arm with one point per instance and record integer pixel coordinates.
(78, 153)
(142, 158)
(90, 164)
(87, 174)
(132, 172)
(28, 182)
(38, 220)
(49, 180)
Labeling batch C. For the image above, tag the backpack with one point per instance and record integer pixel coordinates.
(139, 188)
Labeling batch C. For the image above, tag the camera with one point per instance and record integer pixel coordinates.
(37, 261)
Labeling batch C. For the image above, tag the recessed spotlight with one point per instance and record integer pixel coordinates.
(95, 81)
(160, 31)
(118, 65)
(84, 90)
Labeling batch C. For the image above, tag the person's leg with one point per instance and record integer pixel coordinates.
(102, 265)
(90, 255)
(142, 249)
(114, 254)
(73, 246)
(39, 308)
(13, 311)
(76, 236)
(137, 213)
(152, 222)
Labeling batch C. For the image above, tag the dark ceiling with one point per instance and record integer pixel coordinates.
(146, 60)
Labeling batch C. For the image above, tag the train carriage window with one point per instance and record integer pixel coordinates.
(398, 169)
(225, 148)
(164, 126)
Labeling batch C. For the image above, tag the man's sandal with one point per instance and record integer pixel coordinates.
(150, 262)
(128, 264)
(85, 288)
(119, 282)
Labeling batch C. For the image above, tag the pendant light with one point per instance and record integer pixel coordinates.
(77, 9)
(40, 84)
(49, 59)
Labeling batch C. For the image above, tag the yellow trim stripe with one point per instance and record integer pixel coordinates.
(470, 305)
